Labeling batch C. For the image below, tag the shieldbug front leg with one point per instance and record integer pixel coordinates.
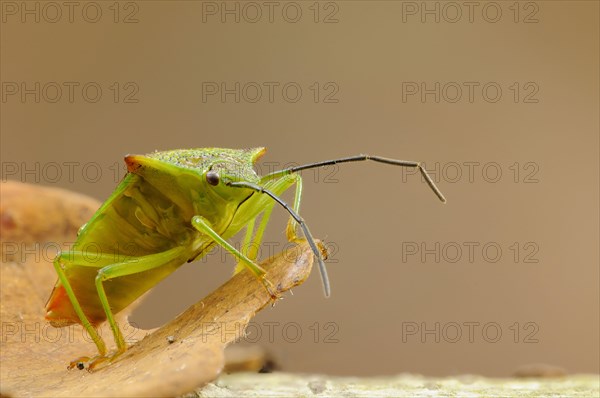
(291, 231)
(253, 239)
(203, 226)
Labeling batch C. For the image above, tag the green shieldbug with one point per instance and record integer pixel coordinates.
(172, 207)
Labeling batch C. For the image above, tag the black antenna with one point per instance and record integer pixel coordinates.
(299, 220)
(360, 158)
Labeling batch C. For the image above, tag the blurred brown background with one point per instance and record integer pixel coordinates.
(503, 275)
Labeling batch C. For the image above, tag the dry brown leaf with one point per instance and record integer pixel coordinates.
(177, 358)
(31, 216)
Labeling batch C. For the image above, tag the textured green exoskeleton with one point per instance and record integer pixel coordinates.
(171, 208)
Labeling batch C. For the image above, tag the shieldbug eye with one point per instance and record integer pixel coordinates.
(212, 177)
